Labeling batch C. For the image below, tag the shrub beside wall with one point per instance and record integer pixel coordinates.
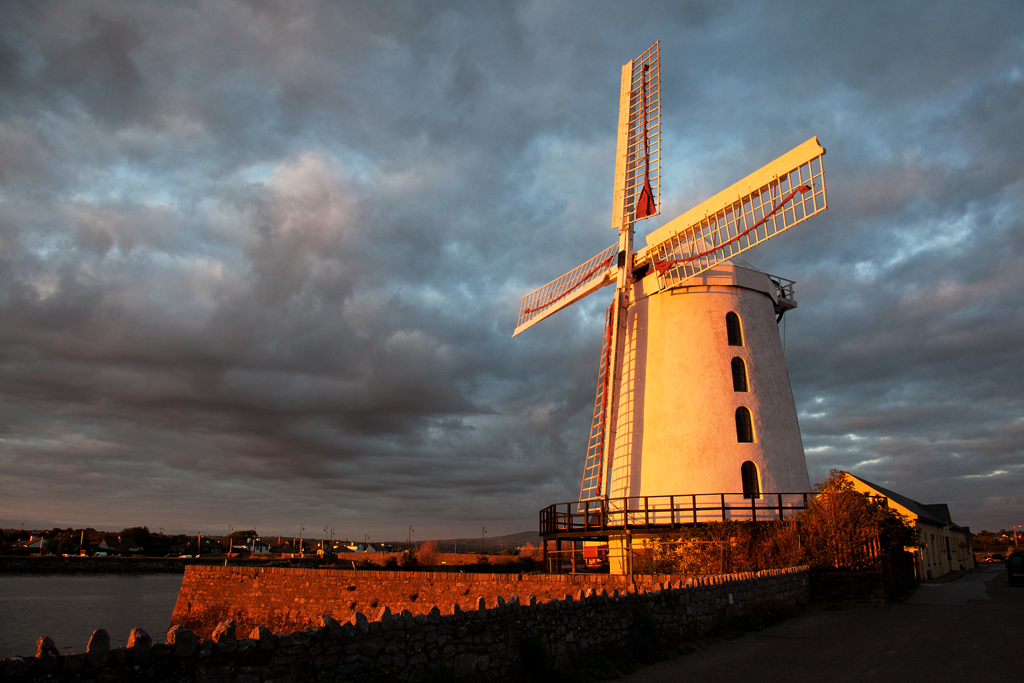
(487, 641)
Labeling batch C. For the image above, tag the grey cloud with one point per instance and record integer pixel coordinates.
(262, 261)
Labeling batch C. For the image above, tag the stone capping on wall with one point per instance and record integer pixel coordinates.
(479, 640)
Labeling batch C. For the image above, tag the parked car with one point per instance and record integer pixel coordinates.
(1015, 568)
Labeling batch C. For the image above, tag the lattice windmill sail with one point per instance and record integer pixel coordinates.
(658, 414)
(771, 200)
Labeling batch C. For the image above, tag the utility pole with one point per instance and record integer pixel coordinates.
(483, 533)
(410, 535)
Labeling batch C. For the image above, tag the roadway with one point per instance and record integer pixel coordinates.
(967, 629)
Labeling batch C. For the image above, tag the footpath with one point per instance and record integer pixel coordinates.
(967, 629)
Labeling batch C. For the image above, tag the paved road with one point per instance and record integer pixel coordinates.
(969, 629)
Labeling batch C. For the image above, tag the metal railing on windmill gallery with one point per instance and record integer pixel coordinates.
(766, 203)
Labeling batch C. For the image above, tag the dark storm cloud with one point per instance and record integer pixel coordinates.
(259, 263)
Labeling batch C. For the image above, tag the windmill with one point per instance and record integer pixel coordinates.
(693, 394)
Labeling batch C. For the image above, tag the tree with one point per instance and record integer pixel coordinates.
(843, 528)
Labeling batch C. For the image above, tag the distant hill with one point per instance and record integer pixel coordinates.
(492, 544)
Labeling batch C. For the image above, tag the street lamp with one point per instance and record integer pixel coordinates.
(482, 534)
(410, 535)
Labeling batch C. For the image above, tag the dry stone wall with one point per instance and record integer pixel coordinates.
(484, 641)
(286, 600)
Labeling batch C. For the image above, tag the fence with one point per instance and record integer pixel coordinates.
(667, 512)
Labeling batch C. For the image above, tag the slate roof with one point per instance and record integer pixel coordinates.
(936, 513)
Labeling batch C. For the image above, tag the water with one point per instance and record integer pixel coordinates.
(70, 608)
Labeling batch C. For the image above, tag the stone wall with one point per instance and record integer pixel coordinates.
(286, 600)
(849, 587)
(484, 640)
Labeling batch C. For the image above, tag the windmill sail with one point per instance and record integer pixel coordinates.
(589, 276)
(771, 200)
(638, 161)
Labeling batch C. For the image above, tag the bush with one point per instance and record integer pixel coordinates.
(721, 548)
(841, 528)
(427, 554)
(408, 560)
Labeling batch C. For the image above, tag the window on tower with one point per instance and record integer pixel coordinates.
(751, 486)
(744, 426)
(739, 375)
(732, 326)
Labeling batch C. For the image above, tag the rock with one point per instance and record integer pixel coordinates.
(362, 623)
(224, 636)
(182, 641)
(334, 630)
(263, 636)
(47, 655)
(45, 646)
(139, 645)
(98, 649)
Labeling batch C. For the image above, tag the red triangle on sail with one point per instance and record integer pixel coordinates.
(645, 204)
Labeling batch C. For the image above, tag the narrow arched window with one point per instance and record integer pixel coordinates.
(732, 326)
(744, 427)
(739, 375)
(751, 486)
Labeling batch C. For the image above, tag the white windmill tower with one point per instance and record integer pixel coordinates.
(694, 417)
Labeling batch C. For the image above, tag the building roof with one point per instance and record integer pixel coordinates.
(935, 513)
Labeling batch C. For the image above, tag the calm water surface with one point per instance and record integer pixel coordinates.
(70, 608)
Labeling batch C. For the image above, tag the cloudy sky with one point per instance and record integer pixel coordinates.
(260, 262)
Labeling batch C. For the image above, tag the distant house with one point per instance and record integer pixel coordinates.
(943, 546)
(255, 546)
(116, 545)
(35, 545)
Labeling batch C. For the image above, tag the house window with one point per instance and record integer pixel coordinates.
(739, 375)
(732, 326)
(751, 486)
(744, 426)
